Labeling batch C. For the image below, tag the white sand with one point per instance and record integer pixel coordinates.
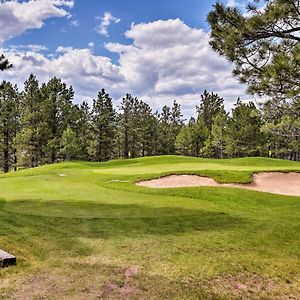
(276, 183)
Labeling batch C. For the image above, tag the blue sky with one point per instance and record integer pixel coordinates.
(157, 50)
(62, 32)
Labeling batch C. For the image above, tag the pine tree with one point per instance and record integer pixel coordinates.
(168, 128)
(9, 124)
(84, 131)
(147, 125)
(155, 133)
(216, 143)
(135, 129)
(165, 139)
(119, 137)
(130, 126)
(103, 128)
(282, 129)
(4, 63)
(244, 128)
(30, 138)
(263, 44)
(176, 124)
(199, 134)
(211, 105)
(184, 141)
(69, 144)
(57, 113)
(125, 121)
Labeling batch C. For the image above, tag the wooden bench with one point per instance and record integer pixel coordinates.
(7, 259)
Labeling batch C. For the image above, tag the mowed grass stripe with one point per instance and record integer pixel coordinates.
(98, 223)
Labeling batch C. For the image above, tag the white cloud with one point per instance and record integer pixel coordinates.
(91, 45)
(61, 49)
(35, 48)
(75, 23)
(17, 17)
(77, 67)
(231, 3)
(166, 60)
(106, 21)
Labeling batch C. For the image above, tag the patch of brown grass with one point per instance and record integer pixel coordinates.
(251, 286)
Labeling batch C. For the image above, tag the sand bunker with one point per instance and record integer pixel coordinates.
(276, 183)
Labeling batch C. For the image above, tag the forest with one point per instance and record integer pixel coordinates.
(42, 125)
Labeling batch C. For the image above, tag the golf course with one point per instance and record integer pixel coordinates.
(84, 230)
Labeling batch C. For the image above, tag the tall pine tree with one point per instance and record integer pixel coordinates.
(9, 123)
(30, 137)
(57, 113)
(103, 128)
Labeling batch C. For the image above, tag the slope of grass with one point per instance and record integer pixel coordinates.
(79, 229)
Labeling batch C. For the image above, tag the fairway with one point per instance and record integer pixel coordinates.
(85, 230)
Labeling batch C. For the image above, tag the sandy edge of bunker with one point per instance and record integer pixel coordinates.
(271, 182)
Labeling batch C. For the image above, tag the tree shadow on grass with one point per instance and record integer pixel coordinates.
(38, 224)
(105, 220)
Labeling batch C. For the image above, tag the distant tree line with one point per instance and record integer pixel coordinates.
(42, 125)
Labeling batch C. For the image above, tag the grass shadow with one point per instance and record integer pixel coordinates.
(22, 227)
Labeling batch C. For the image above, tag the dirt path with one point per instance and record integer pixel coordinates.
(276, 183)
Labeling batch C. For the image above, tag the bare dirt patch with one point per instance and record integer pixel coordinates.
(122, 289)
(274, 182)
(88, 282)
(251, 287)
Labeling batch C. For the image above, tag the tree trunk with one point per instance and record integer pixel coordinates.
(5, 154)
(53, 157)
(143, 150)
(5, 161)
(15, 160)
(197, 149)
(126, 144)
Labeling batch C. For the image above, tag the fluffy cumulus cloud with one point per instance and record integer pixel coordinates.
(17, 17)
(106, 21)
(78, 67)
(166, 60)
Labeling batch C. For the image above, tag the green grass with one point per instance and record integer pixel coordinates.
(76, 235)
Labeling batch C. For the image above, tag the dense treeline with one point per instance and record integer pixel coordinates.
(42, 125)
(263, 45)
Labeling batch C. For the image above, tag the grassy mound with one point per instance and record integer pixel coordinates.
(80, 229)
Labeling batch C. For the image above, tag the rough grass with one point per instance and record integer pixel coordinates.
(85, 231)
